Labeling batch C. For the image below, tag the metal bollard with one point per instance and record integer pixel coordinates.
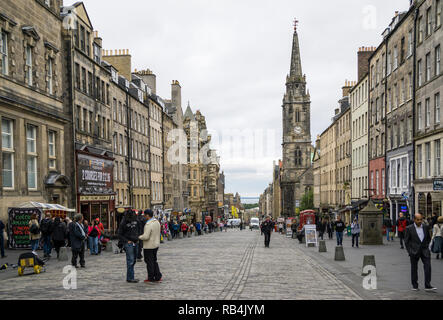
(339, 254)
(367, 261)
(63, 254)
(322, 246)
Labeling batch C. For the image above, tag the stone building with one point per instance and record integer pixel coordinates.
(359, 110)
(297, 171)
(377, 124)
(428, 131)
(179, 167)
(168, 170)
(276, 191)
(316, 173)
(221, 195)
(211, 183)
(33, 118)
(397, 77)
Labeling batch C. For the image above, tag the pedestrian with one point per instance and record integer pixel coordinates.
(68, 221)
(267, 227)
(388, 226)
(141, 224)
(392, 234)
(355, 230)
(78, 238)
(322, 229)
(184, 229)
(101, 235)
(434, 220)
(34, 233)
(93, 236)
(46, 228)
(2, 239)
(437, 238)
(339, 228)
(198, 227)
(221, 225)
(417, 239)
(59, 235)
(402, 223)
(330, 229)
(294, 229)
(175, 227)
(129, 233)
(151, 243)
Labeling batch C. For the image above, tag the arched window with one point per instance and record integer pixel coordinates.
(298, 157)
(297, 116)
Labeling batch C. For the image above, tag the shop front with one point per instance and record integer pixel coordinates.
(95, 196)
(429, 197)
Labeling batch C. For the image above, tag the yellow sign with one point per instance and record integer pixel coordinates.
(234, 212)
(95, 198)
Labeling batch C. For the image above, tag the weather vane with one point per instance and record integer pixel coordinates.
(295, 24)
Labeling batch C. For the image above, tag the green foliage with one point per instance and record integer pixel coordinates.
(250, 205)
(307, 201)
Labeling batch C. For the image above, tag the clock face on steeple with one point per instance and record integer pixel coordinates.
(298, 130)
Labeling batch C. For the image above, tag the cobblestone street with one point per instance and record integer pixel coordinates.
(232, 265)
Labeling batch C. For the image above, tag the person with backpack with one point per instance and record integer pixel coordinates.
(402, 223)
(93, 236)
(198, 227)
(2, 240)
(46, 228)
(34, 233)
(128, 232)
(59, 235)
(355, 230)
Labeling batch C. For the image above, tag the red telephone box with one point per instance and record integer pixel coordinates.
(306, 217)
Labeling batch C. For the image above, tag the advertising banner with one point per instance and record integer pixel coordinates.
(95, 175)
(19, 226)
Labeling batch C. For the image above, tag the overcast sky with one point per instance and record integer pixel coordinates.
(231, 58)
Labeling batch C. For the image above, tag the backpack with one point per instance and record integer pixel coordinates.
(34, 229)
(45, 226)
(93, 233)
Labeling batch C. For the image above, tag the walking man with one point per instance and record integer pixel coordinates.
(355, 230)
(402, 223)
(151, 243)
(267, 227)
(129, 233)
(339, 228)
(46, 227)
(78, 237)
(417, 239)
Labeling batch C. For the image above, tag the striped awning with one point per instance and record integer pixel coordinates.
(44, 206)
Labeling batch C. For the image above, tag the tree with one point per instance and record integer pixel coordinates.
(307, 201)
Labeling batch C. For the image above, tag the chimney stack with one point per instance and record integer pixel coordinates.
(176, 94)
(363, 60)
(149, 78)
(121, 60)
(347, 87)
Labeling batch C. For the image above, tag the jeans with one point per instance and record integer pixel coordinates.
(93, 245)
(47, 246)
(388, 230)
(267, 238)
(152, 267)
(34, 244)
(339, 238)
(355, 239)
(131, 255)
(2, 244)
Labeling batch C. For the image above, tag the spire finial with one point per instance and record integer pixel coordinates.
(295, 24)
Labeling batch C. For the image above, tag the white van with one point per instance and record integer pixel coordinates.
(254, 224)
(234, 222)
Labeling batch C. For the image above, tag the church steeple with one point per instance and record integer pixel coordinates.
(296, 70)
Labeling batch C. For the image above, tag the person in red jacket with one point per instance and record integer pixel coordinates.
(184, 229)
(402, 223)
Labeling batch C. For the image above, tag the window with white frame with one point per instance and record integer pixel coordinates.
(4, 52)
(50, 76)
(437, 108)
(437, 165)
(377, 181)
(437, 60)
(31, 144)
(410, 86)
(420, 72)
(428, 67)
(393, 174)
(428, 159)
(52, 150)
(7, 154)
(29, 65)
(420, 117)
(420, 161)
(404, 172)
(428, 112)
(383, 181)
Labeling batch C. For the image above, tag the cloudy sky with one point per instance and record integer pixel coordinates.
(232, 57)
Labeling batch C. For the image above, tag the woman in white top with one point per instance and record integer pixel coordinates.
(437, 237)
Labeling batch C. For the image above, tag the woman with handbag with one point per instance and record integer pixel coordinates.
(437, 238)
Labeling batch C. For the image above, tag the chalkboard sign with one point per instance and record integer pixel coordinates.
(19, 226)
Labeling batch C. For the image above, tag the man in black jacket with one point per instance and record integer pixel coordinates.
(339, 228)
(129, 232)
(267, 227)
(46, 227)
(417, 240)
(78, 237)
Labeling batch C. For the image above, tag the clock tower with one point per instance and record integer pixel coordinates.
(297, 146)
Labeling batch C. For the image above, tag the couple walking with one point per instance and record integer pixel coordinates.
(130, 235)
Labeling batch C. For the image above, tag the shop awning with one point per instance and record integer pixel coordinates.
(44, 206)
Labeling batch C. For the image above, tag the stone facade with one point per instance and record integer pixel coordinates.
(429, 130)
(33, 116)
(297, 173)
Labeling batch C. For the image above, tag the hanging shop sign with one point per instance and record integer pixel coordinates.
(94, 175)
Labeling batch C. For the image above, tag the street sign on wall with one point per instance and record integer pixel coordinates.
(438, 185)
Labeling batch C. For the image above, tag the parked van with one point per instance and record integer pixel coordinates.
(254, 224)
(234, 222)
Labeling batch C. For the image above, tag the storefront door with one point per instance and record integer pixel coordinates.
(104, 219)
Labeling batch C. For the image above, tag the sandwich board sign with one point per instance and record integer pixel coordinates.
(311, 234)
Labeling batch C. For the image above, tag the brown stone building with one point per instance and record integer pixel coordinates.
(33, 116)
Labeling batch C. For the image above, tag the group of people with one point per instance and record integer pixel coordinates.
(55, 233)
